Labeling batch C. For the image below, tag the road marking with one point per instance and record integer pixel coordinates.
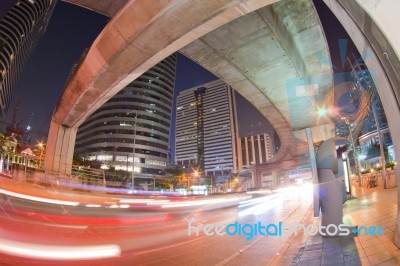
(281, 253)
(166, 247)
(236, 254)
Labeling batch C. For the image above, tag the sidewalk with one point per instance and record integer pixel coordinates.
(372, 206)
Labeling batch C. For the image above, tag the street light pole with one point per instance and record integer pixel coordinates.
(354, 151)
(133, 149)
(133, 156)
(383, 160)
(211, 185)
(41, 154)
(26, 163)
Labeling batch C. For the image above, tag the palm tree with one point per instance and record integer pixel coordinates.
(5, 147)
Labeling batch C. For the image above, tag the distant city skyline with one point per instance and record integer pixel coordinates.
(71, 30)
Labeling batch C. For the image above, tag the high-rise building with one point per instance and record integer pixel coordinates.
(131, 130)
(206, 129)
(255, 149)
(27, 137)
(20, 30)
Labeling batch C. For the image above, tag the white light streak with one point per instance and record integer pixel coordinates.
(39, 199)
(51, 252)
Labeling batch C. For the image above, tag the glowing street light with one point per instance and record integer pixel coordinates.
(322, 111)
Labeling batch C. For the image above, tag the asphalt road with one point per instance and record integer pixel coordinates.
(150, 231)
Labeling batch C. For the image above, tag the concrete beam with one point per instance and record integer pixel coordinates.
(270, 56)
(132, 43)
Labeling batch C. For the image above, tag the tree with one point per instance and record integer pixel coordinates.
(5, 147)
(164, 184)
(39, 151)
(78, 160)
(374, 151)
(175, 175)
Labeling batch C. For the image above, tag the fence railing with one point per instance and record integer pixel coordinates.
(79, 175)
(89, 176)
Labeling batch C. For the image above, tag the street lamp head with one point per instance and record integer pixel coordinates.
(322, 111)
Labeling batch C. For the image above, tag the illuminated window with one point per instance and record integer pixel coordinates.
(104, 157)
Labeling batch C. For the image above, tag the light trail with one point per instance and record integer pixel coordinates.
(51, 252)
(39, 199)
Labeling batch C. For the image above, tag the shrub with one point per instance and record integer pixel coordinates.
(390, 165)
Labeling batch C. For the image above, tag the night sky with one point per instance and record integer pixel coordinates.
(72, 29)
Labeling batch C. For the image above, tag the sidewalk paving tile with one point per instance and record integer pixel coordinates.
(370, 207)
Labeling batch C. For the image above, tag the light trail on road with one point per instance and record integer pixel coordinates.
(138, 230)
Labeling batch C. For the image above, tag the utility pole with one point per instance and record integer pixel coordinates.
(133, 153)
(383, 161)
(354, 151)
(211, 184)
(133, 149)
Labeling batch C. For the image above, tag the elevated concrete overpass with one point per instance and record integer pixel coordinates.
(263, 50)
(272, 57)
(121, 53)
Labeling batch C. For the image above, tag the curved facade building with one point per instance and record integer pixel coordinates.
(20, 30)
(137, 118)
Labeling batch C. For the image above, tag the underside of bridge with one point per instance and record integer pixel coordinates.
(292, 26)
(271, 56)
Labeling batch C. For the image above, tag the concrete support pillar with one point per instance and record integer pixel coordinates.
(372, 27)
(275, 179)
(256, 176)
(60, 148)
(286, 174)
